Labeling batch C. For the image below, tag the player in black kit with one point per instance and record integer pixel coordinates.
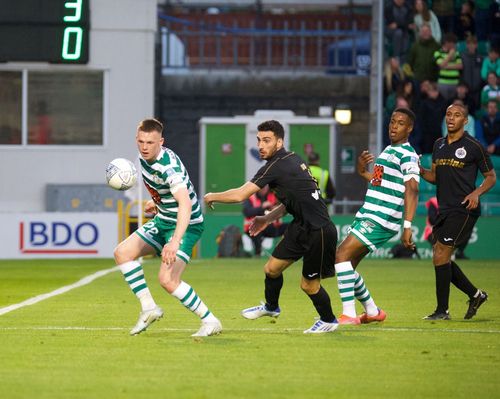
(311, 235)
(456, 160)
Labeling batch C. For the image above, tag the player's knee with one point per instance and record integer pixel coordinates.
(271, 272)
(169, 284)
(120, 254)
(310, 287)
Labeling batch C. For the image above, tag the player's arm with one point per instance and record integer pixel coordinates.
(233, 195)
(259, 223)
(472, 200)
(428, 174)
(170, 249)
(410, 207)
(362, 166)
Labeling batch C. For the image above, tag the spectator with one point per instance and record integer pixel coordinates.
(494, 24)
(398, 22)
(465, 26)
(491, 63)
(425, 16)
(471, 73)
(431, 113)
(491, 91)
(445, 13)
(482, 17)
(322, 177)
(488, 129)
(469, 127)
(449, 63)
(259, 204)
(393, 75)
(421, 57)
(462, 93)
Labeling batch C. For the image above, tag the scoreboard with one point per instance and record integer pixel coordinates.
(54, 31)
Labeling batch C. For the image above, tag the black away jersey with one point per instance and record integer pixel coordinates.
(457, 166)
(289, 178)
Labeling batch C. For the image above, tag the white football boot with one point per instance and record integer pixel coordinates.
(321, 327)
(259, 311)
(209, 328)
(146, 318)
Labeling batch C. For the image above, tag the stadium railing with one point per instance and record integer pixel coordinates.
(320, 45)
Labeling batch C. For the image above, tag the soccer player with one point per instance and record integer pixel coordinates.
(456, 160)
(311, 235)
(171, 234)
(392, 197)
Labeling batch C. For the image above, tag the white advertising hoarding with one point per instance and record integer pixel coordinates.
(58, 235)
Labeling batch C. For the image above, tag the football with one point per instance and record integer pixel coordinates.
(121, 174)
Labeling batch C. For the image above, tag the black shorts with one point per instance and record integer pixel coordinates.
(453, 228)
(317, 247)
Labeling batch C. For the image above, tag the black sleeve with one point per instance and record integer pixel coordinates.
(432, 213)
(249, 211)
(330, 190)
(483, 159)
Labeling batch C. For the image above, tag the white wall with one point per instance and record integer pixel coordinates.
(122, 42)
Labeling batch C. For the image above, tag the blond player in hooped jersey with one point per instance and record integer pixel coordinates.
(171, 234)
(391, 198)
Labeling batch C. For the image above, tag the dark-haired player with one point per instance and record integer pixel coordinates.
(456, 160)
(392, 197)
(311, 235)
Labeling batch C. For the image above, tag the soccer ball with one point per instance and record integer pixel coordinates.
(121, 174)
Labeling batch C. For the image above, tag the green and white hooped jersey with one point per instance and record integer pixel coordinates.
(164, 177)
(384, 200)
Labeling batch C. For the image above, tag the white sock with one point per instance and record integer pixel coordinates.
(345, 282)
(134, 276)
(363, 295)
(188, 297)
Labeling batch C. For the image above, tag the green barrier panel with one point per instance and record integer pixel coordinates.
(482, 244)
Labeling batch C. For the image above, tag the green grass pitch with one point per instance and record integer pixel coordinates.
(76, 345)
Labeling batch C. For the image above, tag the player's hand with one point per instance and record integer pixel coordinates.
(472, 201)
(365, 158)
(150, 207)
(208, 200)
(169, 252)
(257, 225)
(407, 240)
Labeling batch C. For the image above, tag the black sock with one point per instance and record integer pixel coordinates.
(272, 291)
(460, 280)
(321, 301)
(443, 279)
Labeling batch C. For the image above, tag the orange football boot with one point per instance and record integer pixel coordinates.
(344, 319)
(364, 318)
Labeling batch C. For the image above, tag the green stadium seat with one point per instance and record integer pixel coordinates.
(426, 160)
(490, 204)
(495, 159)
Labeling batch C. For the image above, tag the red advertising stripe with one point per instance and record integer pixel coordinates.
(59, 251)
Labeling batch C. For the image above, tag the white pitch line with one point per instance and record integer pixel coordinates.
(84, 281)
(268, 329)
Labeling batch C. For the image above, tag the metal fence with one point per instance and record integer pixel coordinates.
(297, 45)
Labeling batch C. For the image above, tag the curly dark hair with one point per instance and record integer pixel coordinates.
(272, 126)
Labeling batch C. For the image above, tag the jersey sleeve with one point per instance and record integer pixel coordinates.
(175, 179)
(265, 175)
(409, 167)
(483, 159)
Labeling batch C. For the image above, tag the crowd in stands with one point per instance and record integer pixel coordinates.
(440, 52)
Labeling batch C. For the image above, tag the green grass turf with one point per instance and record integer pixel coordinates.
(76, 345)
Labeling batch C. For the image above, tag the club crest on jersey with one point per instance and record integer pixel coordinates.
(460, 153)
(157, 179)
(390, 157)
